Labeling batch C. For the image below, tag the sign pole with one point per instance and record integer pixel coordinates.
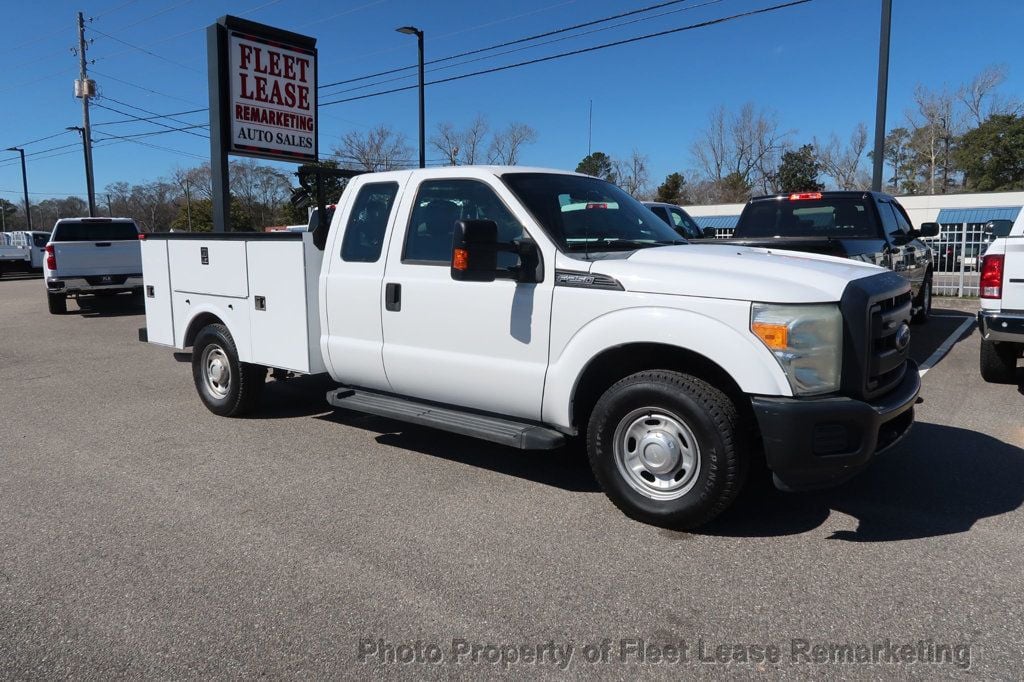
(216, 46)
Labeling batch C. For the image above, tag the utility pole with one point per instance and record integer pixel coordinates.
(590, 125)
(85, 89)
(883, 93)
(24, 184)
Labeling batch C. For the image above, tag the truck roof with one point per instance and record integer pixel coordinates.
(456, 171)
(828, 194)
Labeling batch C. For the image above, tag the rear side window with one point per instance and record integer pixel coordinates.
(364, 233)
(40, 238)
(826, 217)
(95, 232)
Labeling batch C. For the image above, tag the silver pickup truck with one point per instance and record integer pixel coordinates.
(91, 256)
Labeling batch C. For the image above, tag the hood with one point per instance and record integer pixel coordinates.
(736, 272)
(861, 248)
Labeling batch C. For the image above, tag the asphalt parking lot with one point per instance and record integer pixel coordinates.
(141, 535)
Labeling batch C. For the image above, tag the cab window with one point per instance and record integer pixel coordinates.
(439, 204)
(368, 221)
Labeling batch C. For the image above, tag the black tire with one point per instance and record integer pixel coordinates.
(238, 391)
(999, 361)
(57, 303)
(923, 303)
(714, 424)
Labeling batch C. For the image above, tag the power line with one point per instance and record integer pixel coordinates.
(129, 138)
(40, 139)
(140, 87)
(512, 42)
(135, 119)
(157, 123)
(535, 45)
(143, 50)
(658, 34)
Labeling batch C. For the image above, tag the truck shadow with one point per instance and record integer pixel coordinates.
(565, 468)
(301, 396)
(940, 481)
(108, 306)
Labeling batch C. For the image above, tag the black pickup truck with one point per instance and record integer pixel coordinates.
(865, 226)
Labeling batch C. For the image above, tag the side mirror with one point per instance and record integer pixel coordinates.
(928, 230)
(709, 233)
(475, 251)
(998, 228)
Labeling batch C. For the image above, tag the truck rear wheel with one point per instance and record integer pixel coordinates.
(667, 448)
(999, 361)
(227, 386)
(57, 303)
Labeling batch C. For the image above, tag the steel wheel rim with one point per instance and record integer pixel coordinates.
(656, 453)
(216, 370)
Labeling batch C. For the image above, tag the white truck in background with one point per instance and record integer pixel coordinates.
(1001, 292)
(91, 256)
(22, 250)
(528, 307)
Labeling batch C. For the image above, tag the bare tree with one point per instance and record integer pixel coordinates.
(379, 149)
(506, 145)
(934, 125)
(473, 140)
(980, 98)
(447, 140)
(260, 190)
(842, 162)
(632, 174)
(748, 144)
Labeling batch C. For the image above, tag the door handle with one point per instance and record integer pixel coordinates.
(393, 296)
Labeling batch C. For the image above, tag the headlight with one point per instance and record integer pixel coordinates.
(807, 340)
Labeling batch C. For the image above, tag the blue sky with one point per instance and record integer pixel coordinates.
(814, 64)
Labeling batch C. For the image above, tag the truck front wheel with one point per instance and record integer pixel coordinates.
(57, 303)
(999, 361)
(227, 386)
(667, 448)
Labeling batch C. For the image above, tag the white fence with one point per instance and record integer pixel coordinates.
(956, 257)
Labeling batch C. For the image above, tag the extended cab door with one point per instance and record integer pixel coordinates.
(351, 289)
(476, 344)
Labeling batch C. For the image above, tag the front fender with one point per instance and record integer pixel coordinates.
(722, 338)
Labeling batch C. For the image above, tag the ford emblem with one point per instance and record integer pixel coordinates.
(903, 337)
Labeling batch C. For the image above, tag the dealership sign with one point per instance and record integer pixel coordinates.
(266, 87)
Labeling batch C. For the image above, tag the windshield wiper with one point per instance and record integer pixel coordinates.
(635, 243)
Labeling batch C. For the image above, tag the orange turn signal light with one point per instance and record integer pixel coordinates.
(775, 336)
(460, 259)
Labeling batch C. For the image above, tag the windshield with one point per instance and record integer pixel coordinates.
(838, 217)
(684, 224)
(586, 214)
(107, 231)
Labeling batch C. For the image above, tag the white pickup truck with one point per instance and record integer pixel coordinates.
(527, 307)
(1001, 290)
(97, 256)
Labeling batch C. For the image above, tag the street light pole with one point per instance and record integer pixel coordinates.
(413, 31)
(24, 184)
(883, 93)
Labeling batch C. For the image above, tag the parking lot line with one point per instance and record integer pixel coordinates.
(941, 351)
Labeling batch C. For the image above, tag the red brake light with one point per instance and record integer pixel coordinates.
(51, 257)
(596, 205)
(801, 196)
(991, 282)
(142, 236)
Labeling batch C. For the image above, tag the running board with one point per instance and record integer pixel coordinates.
(508, 432)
